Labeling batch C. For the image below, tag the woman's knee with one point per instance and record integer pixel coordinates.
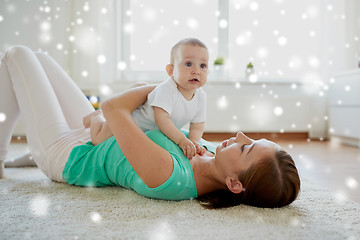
(17, 51)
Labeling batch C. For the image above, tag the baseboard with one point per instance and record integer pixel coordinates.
(220, 136)
(18, 139)
(347, 141)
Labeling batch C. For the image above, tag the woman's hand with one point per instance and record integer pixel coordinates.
(99, 130)
(87, 118)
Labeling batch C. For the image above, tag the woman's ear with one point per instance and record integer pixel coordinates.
(234, 185)
(170, 69)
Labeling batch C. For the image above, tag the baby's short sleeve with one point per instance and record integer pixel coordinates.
(163, 96)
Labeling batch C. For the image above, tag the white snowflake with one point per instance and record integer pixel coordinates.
(101, 59)
(278, 111)
(192, 23)
(121, 66)
(282, 41)
(313, 61)
(39, 205)
(223, 23)
(95, 217)
(351, 183)
(86, 7)
(254, 6)
(2, 117)
(253, 78)
(59, 46)
(105, 90)
(45, 26)
(84, 73)
(222, 102)
(149, 14)
(129, 28)
(262, 52)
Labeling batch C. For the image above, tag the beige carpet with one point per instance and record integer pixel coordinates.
(33, 207)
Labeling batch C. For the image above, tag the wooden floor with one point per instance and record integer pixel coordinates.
(326, 163)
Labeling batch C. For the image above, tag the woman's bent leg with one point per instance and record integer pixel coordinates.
(9, 114)
(73, 102)
(39, 106)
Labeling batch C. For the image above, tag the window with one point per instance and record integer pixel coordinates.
(151, 28)
(284, 40)
(280, 38)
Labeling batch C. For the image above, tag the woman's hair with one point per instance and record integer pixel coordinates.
(187, 41)
(270, 183)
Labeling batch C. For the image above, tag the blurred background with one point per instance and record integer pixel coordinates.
(305, 55)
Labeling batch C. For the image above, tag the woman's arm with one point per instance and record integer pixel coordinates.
(152, 163)
(99, 129)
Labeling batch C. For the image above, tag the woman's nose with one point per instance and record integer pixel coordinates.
(240, 136)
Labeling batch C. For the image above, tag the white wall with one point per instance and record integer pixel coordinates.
(250, 107)
(30, 23)
(27, 22)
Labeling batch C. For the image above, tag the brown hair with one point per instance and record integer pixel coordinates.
(190, 41)
(270, 183)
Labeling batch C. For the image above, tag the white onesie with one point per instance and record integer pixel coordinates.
(168, 97)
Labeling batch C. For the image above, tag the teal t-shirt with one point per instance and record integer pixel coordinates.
(106, 165)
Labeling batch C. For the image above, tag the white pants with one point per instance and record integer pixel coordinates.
(50, 103)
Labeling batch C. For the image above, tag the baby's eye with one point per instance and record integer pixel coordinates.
(203, 66)
(188, 64)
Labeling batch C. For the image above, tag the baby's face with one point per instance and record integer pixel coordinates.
(191, 67)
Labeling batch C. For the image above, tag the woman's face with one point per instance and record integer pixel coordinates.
(239, 153)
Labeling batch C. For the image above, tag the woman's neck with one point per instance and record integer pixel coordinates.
(207, 178)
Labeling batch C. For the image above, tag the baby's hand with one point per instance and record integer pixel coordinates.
(87, 118)
(188, 148)
(199, 149)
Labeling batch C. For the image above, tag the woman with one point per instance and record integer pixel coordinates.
(240, 170)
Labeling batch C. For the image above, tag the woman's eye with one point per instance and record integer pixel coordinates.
(188, 64)
(242, 147)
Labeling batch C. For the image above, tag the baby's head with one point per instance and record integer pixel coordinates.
(189, 64)
(187, 41)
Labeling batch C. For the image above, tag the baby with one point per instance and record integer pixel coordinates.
(179, 100)
(175, 102)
